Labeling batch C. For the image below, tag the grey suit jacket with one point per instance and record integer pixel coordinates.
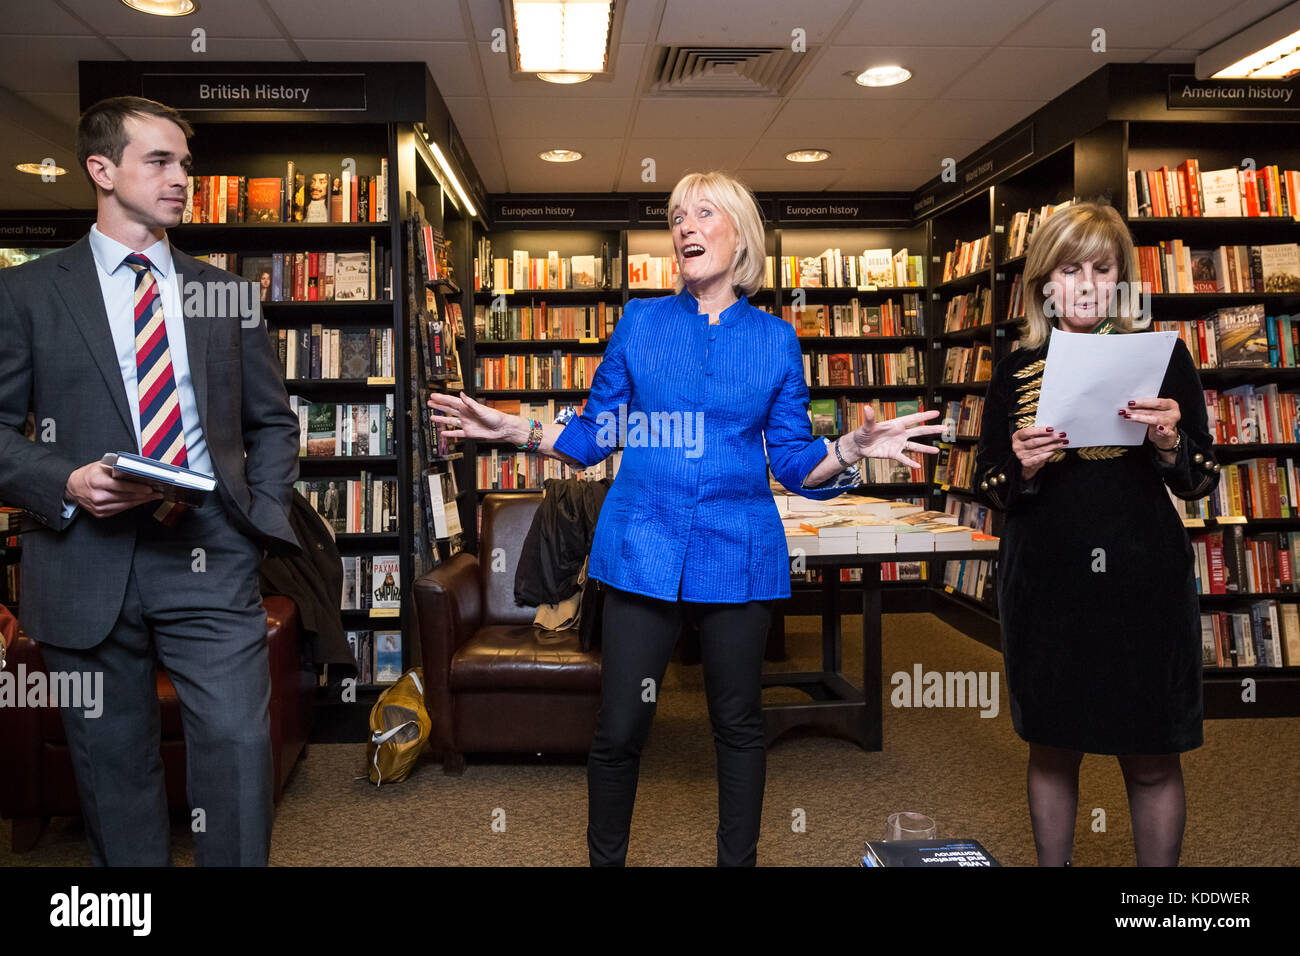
(57, 359)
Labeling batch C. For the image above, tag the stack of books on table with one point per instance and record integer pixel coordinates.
(864, 525)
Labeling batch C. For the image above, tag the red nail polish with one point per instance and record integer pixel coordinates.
(1132, 404)
(1049, 428)
(1121, 412)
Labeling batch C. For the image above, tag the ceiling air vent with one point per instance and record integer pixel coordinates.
(715, 70)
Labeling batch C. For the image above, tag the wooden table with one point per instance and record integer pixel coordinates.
(837, 707)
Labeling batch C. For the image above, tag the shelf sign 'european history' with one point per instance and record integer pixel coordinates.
(257, 91)
(1186, 92)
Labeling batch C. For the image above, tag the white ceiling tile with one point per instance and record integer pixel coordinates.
(472, 117)
(673, 158)
(1174, 56)
(818, 117)
(756, 23)
(48, 64)
(593, 173)
(450, 63)
(621, 85)
(64, 107)
(559, 121)
(967, 119)
(1231, 21)
(1068, 24)
(229, 18)
(389, 20)
(933, 68)
(42, 18)
(788, 180)
(218, 48)
(1008, 72)
(688, 116)
(486, 154)
(938, 22)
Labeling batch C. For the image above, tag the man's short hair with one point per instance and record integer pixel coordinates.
(101, 131)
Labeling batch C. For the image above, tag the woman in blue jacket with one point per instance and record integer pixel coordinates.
(693, 387)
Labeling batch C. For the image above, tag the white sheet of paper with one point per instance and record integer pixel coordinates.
(1089, 378)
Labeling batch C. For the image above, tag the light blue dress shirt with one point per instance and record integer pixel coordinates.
(117, 283)
(690, 513)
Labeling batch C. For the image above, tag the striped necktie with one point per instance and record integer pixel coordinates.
(162, 435)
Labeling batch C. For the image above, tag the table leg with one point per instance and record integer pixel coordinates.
(872, 664)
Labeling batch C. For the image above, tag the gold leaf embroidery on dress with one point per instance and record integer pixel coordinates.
(1024, 422)
(1058, 456)
(1032, 368)
(1102, 452)
(1030, 394)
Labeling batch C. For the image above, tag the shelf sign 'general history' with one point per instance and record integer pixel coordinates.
(257, 91)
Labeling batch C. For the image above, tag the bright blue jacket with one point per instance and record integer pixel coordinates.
(691, 507)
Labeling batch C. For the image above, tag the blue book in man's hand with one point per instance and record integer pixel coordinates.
(175, 483)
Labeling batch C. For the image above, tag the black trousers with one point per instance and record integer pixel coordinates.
(638, 634)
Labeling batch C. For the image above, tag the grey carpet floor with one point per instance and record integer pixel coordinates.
(965, 771)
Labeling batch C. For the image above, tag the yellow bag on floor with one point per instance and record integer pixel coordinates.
(399, 728)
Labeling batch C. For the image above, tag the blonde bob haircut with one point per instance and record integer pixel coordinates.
(734, 198)
(1078, 233)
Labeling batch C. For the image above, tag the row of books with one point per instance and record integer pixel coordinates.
(962, 365)
(972, 513)
(442, 511)
(968, 257)
(887, 471)
(434, 259)
(1023, 225)
(318, 352)
(967, 416)
(645, 271)
(857, 524)
(1253, 414)
(855, 318)
(835, 416)
(363, 505)
(338, 196)
(554, 370)
(1016, 298)
(1230, 560)
(1242, 336)
(438, 327)
(969, 311)
(542, 321)
(1251, 488)
(503, 470)
(378, 654)
(10, 584)
(844, 369)
(1267, 635)
(313, 276)
(889, 571)
(1174, 266)
(342, 429)
(973, 578)
(537, 273)
(372, 582)
(954, 466)
(833, 269)
(1186, 190)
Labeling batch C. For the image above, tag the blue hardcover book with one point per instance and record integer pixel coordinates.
(277, 277)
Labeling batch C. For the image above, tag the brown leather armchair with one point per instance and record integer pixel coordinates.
(36, 779)
(494, 683)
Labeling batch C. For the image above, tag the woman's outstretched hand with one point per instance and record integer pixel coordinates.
(894, 436)
(468, 418)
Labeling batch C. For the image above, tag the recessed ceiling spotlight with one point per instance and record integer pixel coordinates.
(163, 8)
(39, 169)
(883, 76)
(808, 155)
(560, 155)
(564, 77)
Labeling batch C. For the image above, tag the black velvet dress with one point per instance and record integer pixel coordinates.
(1096, 578)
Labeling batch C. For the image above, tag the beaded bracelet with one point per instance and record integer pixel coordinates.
(534, 436)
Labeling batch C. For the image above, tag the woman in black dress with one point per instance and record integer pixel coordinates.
(1096, 582)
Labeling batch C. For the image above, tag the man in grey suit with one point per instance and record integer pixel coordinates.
(121, 343)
